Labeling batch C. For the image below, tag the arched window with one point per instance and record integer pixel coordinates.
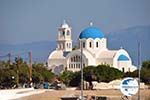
(74, 59)
(71, 59)
(90, 44)
(97, 44)
(123, 69)
(83, 45)
(69, 45)
(68, 33)
(63, 32)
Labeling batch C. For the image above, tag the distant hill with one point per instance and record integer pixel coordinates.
(129, 38)
(40, 50)
(126, 38)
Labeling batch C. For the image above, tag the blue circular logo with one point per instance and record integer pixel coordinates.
(129, 86)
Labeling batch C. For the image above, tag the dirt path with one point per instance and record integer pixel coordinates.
(57, 94)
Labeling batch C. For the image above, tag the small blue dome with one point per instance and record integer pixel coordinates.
(91, 32)
(123, 58)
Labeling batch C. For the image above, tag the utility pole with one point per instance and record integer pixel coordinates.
(139, 65)
(9, 58)
(18, 65)
(30, 67)
(81, 71)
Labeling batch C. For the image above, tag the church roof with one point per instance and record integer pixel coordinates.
(91, 32)
(123, 58)
(64, 25)
(57, 54)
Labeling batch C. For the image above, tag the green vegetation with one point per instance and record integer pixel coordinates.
(100, 73)
(145, 72)
(17, 73)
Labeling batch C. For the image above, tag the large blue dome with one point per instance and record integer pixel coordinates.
(91, 32)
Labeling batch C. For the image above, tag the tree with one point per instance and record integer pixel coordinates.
(43, 72)
(146, 64)
(103, 73)
(145, 72)
(131, 74)
(18, 73)
(76, 79)
(66, 77)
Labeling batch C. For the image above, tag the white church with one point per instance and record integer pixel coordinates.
(94, 48)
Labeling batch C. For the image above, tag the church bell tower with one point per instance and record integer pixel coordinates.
(64, 40)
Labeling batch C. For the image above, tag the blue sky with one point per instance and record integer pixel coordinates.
(25, 21)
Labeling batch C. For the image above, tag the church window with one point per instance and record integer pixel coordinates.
(97, 44)
(69, 45)
(76, 58)
(71, 59)
(79, 58)
(63, 32)
(68, 33)
(90, 44)
(123, 69)
(74, 65)
(83, 44)
(79, 66)
(83, 65)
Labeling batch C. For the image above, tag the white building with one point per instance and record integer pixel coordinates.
(95, 51)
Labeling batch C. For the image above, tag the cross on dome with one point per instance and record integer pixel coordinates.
(65, 25)
(91, 23)
(64, 22)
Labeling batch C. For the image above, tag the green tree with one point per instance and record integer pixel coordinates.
(145, 72)
(18, 73)
(146, 64)
(105, 73)
(67, 76)
(45, 74)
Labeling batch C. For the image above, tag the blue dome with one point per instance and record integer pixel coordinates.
(123, 58)
(91, 32)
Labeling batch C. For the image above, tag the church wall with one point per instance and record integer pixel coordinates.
(73, 61)
(126, 65)
(119, 52)
(104, 61)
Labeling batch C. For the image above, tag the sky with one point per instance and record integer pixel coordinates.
(26, 21)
